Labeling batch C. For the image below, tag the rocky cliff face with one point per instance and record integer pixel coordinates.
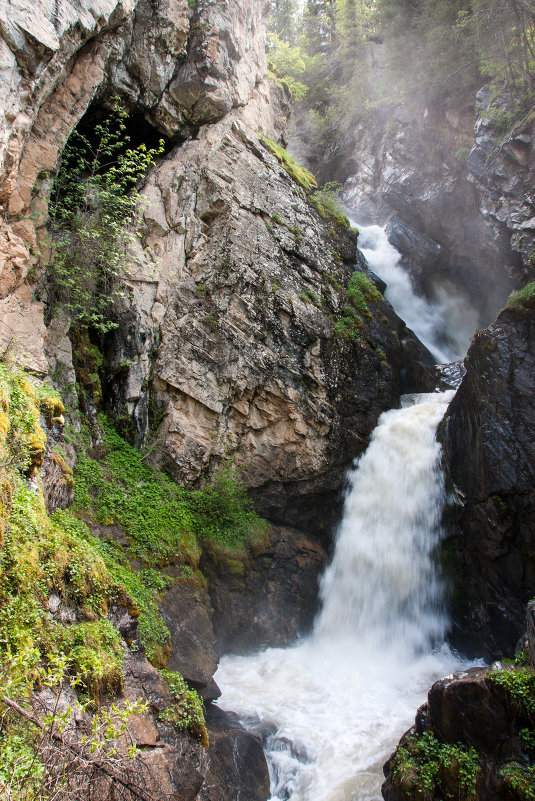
(228, 335)
(236, 295)
(179, 67)
(488, 436)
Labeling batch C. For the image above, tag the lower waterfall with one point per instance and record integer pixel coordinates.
(332, 708)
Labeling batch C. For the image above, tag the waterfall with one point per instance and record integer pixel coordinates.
(332, 707)
(444, 325)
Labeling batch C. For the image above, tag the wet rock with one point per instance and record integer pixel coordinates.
(467, 709)
(489, 446)
(236, 763)
(186, 612)
(266, 599)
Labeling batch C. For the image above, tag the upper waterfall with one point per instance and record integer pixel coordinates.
(444, 325)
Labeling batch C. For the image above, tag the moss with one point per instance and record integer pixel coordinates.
(300, 175)
(523, 299)
(22, 440)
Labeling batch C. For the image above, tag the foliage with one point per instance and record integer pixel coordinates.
(348, 325)
(424, 764)
(519, 684)
(162, 521)
(186, 712)
(520, 779)
(299, 174)
(287, 64)
(327, 203)
(360, 291)
(438, 55)
(93, 203)
(524, 297)
(44, 755)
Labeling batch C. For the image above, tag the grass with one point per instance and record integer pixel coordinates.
(325, 199)
(300, 175)
(522, 299)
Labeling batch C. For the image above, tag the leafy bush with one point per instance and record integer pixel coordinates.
(186, 712)
(93, 203)
(424, 764)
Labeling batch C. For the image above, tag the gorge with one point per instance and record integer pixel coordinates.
(186, 393)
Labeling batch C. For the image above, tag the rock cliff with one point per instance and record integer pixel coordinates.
(452, 183)
(488, 439)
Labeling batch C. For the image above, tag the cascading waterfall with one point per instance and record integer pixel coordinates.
(444, 325)
(332, 707)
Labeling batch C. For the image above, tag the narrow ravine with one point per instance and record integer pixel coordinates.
(334, 705)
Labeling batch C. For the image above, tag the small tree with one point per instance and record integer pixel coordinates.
(93, 207)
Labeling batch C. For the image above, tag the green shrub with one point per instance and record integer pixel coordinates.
(422, 764)
(186, 712)
(93, 203)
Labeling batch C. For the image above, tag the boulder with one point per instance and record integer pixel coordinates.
(265, 599)
(186, 612)
(236, 763)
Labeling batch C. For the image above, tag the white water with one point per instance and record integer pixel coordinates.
(338, 702)
(445, 326)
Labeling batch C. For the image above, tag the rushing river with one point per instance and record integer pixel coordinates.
(332, 707)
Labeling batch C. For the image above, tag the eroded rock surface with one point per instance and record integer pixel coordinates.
(241, 283)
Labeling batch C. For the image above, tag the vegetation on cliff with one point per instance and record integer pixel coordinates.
(93, 207)
(58, 582)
